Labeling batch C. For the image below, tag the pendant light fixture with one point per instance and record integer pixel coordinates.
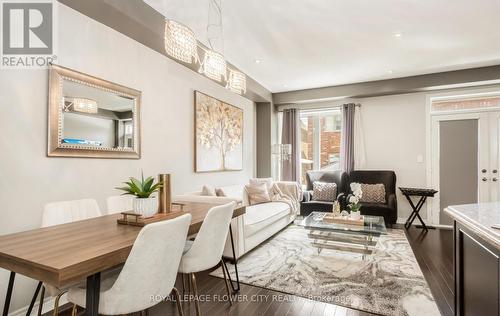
(237, 81)
(180, 42)
(214, 65)
(83, 105)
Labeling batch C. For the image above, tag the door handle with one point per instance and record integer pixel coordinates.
(484, 179)
(483, 171)
(495, 179)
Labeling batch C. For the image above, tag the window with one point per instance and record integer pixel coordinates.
(320, 140)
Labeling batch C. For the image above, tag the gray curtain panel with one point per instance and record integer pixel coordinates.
(347, 143)
(290, 135)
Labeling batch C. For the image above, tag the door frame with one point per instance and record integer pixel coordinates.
(432, 136)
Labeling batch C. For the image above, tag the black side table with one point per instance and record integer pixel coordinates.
(423, 194)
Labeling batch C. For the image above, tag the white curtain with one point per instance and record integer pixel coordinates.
(359, 141)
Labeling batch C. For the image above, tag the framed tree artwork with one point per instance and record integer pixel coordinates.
(218, 135)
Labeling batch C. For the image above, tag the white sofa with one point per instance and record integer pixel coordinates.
(260, 221)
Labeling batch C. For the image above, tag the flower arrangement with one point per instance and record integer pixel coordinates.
(355, 197)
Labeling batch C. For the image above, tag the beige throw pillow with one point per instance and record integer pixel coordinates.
(219, 192)
(323, 191)
(268, 181)
(372, 193)
(208, 191)
(257, 193)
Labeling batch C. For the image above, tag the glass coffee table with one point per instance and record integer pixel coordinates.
(325, 234)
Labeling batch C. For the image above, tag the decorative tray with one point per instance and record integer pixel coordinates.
(134, 219)
(329, 218)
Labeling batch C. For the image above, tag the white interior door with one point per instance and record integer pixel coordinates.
(477, 185)
(493, 177)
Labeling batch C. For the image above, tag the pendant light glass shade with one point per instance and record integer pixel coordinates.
(180, 42)
(84, 105)
(237, 81)
(214, 66)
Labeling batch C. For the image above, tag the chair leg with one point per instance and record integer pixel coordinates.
(178, 300)
(35, 296)
(40, 305)
(74, 310)
(226, 282)
(195, 292)
(56, 303)
(183, 284)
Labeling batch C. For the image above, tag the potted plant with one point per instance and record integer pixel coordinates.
(144, 204)
(354, 200)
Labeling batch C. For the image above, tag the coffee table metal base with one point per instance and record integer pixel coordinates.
(358, 243)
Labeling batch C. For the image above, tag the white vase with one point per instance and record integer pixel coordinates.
(355, 215)
(147, 207)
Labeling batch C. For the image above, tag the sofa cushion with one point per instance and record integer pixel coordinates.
(268, 181)
(234, 191)
(374, 208)
(323, 191)
(257, 193)
(208, 191)
(259, 216)
(372, 193)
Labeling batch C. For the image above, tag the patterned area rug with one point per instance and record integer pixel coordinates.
(387, 282)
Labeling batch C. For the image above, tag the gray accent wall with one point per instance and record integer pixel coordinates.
(458, 164)
(264, 118)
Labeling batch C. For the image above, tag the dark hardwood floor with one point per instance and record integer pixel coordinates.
(433, 251)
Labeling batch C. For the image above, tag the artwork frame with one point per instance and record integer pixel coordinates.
(212, 153)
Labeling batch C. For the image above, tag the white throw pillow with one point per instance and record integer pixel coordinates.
(208, 191)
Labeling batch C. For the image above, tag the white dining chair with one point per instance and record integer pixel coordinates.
(149, 272)
(205, 252)
(62, 212)
(119, 203)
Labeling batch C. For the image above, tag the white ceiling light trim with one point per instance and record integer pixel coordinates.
(180, 42)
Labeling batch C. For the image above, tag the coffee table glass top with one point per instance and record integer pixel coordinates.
(373, 224)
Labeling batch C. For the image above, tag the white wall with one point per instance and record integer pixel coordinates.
(395, 135)
(28, 179)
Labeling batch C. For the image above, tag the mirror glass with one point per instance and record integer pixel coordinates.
(94, 117)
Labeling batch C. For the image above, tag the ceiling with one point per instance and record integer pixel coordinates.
(317, 43)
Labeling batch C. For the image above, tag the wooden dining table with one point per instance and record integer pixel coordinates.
(68, 254)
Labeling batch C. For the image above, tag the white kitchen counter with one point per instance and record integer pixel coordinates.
(479, 218)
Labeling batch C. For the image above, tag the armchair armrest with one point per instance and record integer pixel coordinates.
(307, 196)
(342, 198)
(392, 201)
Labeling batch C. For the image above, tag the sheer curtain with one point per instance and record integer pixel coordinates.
(359, 140)
(291, 135)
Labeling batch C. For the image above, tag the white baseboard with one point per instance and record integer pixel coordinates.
(48, 305)
(402, 221)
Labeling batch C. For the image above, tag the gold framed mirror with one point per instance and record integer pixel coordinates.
(92, 117)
